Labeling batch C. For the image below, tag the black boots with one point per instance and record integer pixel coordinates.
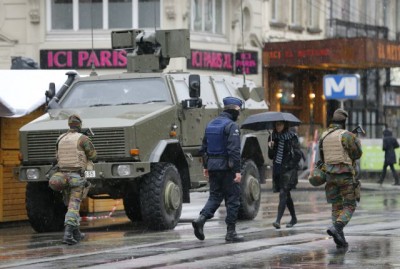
(336, 231)
(68, 235)
(276, 224)
(78, 236)
(231, 235)
(72, 235)
(292, 222)
(198, 225)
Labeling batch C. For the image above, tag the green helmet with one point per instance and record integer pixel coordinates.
(317, 177)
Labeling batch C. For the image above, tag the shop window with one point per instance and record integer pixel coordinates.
(286, 94)
(208, 16)
(74, 15)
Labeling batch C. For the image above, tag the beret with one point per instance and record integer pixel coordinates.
(229, 101)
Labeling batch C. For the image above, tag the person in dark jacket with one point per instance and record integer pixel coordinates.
(284, 150)
(221, 161)
(389, 145)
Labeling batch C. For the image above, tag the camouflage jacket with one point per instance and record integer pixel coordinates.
(352, 145)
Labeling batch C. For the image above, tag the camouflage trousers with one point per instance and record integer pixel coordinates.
(71, 185)
(339, 190)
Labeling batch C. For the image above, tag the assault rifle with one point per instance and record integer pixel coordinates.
(358, 130)
(88, 132)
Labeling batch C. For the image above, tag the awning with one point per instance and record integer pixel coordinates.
(346, 53)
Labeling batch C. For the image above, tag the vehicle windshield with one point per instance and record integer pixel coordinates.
(117, 92)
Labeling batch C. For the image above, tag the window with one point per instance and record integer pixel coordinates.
(75, 15)
(295, 18)
(313, 8)
(275, 10)
(117, 93)
(208, 16)
(369, 13)
(398, 19)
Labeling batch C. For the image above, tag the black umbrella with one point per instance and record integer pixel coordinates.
(265, 120)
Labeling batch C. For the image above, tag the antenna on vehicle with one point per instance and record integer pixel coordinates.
(155, 17)
(93, 72)
(244, 90)
(242, 24)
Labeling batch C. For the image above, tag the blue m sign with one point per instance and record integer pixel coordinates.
(341, 86)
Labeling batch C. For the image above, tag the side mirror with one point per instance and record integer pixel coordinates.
(51, 92)
(194, 86)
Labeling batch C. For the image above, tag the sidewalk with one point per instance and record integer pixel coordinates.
(365, 185)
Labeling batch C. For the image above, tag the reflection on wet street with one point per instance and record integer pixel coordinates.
(373, 236)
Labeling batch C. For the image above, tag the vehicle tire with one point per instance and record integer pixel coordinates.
(250, 191)
(161, 197)
(45, 208)
(132, 204)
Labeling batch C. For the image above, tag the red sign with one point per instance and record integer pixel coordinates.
(82, 59)
(357, 52)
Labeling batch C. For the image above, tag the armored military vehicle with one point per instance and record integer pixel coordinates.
(147, 127)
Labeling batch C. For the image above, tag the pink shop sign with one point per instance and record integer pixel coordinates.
(211, 60)
(82, 59)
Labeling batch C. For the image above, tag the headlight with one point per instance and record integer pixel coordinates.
(124, 170)
(32, 173)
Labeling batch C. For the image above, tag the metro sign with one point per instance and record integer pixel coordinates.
(342, 86)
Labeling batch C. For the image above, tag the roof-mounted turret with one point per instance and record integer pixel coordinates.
(150, 52)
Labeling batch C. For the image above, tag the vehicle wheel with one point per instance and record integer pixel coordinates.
(132, 204)
(161, 197)
(251, 191)
(45, 208)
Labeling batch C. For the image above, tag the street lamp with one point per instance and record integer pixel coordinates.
(312, 98)
(279, 96)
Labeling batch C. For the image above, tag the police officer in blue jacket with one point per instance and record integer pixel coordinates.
(221, 160)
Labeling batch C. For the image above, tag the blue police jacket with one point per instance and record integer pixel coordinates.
(222, 154)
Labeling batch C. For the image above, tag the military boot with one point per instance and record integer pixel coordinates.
(231, 235)
(198, 225)
(336, 231)
(345, 245)
(77, 234)
(68, 235)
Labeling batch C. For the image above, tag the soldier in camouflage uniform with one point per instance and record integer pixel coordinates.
(339, 149)
(75, 153)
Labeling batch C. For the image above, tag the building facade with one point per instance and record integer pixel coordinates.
(76, 34)
(361, 38)
(236, 37)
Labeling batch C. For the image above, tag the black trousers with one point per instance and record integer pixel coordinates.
(223, 187)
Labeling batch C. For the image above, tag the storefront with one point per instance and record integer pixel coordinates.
(293, 76)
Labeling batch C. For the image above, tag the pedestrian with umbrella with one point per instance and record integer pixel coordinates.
(284, 150)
